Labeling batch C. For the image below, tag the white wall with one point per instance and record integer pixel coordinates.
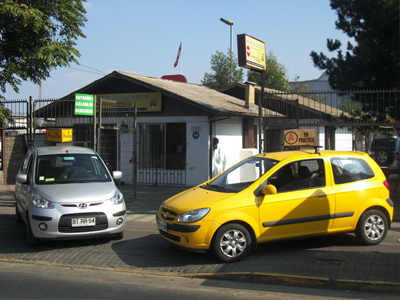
(343, 139)
(229, 151)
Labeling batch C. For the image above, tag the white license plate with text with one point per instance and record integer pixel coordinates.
(162, 226)
(78, 222)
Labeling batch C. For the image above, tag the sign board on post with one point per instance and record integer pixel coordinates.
(84, 104)
(145, 102)
(251, 53)
(299, 137)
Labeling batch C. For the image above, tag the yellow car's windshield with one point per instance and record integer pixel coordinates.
(242, 175)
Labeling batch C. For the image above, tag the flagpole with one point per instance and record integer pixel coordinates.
(180, 63)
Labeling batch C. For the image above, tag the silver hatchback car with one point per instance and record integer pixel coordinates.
(66, 192)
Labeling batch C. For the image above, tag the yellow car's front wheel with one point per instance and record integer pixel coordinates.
(231, 243)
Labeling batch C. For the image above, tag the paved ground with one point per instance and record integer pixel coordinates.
(336, 262)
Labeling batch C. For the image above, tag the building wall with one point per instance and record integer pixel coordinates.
(198, 142)
(13, 156)
(343, 139)
(324, 90)
(229, 151)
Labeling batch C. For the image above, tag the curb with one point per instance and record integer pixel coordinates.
(304, 281)
(253, 277)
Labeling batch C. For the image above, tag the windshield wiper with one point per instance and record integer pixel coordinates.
(219, 187)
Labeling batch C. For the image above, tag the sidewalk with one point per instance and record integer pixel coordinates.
(334, 262)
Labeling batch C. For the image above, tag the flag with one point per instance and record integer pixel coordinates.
(179, 55)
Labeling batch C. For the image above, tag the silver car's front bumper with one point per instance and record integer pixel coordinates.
(57, 221)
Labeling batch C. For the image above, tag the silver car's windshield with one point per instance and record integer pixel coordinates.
(241, 175)
(70, 168)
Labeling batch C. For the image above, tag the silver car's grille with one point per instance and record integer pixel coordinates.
(65, 223)
(77, 204)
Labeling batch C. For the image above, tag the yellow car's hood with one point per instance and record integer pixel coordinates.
(194, 198)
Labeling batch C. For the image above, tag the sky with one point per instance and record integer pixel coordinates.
(143, 37)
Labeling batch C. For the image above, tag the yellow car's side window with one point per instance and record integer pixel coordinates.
(347, 170)
(302, 174)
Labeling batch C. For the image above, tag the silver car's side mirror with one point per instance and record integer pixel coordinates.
(21, 178)
(117, 175)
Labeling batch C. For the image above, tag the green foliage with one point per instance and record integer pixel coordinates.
(373, 62)
(5, 114)
(351, 107)
(274, 75)
(222, 65)
(37, 36)
(299, 87)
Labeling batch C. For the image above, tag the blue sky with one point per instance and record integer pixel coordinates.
(143, 37)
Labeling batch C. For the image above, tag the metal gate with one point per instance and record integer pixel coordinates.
(161, 153)
(26, 122)
(336, 115)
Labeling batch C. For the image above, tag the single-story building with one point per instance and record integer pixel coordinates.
(185, 133)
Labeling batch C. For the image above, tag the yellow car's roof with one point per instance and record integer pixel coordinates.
(283, 155)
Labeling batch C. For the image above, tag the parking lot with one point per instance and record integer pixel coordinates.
(337, 262)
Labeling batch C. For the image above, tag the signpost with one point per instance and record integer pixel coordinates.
(251, 55)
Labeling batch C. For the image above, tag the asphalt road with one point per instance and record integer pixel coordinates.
(42, 281)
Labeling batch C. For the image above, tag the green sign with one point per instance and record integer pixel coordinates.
(84, 104)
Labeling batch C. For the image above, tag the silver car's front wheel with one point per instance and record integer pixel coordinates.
(372, 227)
(231, 243)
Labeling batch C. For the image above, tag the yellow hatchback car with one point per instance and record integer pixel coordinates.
(280, 195)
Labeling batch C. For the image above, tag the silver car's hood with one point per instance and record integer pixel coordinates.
(77, 192)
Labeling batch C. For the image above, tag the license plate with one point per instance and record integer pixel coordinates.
(162, 226)
(78, 222)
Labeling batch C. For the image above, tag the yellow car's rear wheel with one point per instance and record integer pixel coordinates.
(372, 227)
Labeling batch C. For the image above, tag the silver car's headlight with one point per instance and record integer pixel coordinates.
(193, 215)
(40, 202)
(118, 198)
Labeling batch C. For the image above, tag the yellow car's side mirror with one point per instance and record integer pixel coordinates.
(269, 190)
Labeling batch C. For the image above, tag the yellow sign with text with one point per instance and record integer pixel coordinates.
(59, 135)
(299, 137)
(145, 102)
(251, 53)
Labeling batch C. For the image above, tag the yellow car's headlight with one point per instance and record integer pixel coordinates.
(193, 215)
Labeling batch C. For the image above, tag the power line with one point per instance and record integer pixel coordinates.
(98, 72)
(93, 69)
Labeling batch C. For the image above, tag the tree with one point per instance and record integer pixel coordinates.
(299, 87)
(221, 66)
(373, 62)
(274, 75)
(5, 115)
(37, 36)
